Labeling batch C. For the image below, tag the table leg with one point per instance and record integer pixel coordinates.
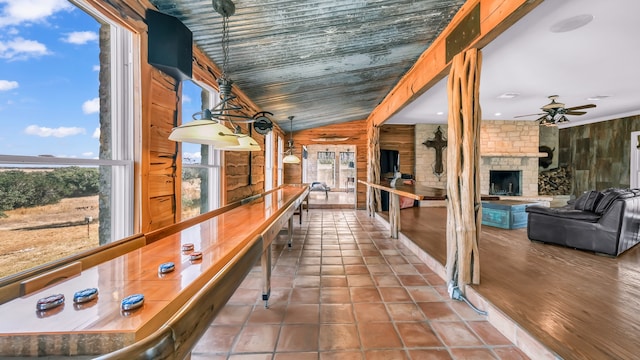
(290, 230)
(266, 275)
(394, 214)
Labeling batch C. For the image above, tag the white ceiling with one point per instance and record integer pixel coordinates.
(601, 58)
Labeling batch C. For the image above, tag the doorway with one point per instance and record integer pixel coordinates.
(334, 167)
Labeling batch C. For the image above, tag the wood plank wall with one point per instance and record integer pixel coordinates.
(402, 139)
(357, 136)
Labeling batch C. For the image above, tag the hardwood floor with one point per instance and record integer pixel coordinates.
(579, 304)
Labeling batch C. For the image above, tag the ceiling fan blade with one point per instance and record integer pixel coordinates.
(538, 114)
(574, 112)
(587, 106)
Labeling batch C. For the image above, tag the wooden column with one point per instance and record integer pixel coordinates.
(464, 213)
(373, 169)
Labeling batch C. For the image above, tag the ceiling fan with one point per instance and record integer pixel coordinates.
(554, 112)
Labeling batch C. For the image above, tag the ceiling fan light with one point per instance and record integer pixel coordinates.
(206, 132)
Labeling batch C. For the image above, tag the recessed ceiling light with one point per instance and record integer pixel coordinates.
(498, 114)
(440, 113)
(598, 97)
(509, 95)
(572, 23)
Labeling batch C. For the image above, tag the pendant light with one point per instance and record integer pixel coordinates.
(290, 157)
(207, 127)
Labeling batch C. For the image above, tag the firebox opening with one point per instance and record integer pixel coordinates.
(505, 182)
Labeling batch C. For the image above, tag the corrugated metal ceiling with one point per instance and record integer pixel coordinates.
(323, 62)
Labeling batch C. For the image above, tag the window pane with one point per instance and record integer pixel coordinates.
(200, 163)
(66, 159)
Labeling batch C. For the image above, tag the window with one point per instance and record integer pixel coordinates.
(280, 163)
(201, 183)
(268, 161)
(67, 79)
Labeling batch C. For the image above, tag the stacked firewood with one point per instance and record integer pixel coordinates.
(555, 182)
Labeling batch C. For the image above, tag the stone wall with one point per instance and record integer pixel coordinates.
(504, 145)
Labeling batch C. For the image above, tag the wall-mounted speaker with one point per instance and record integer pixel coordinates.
(170, 45)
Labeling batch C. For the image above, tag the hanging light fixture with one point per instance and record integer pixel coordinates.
(206, 127)
(290, 157)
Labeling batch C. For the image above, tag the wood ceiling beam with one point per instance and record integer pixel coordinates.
(496, 16)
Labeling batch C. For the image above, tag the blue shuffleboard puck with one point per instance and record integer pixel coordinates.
(132, 302)
(85, 295)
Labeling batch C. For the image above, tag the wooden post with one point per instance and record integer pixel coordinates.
(464, 211)
(374, 202)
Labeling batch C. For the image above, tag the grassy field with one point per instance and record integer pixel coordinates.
(23, 249)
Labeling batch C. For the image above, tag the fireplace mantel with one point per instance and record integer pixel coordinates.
(519, 155)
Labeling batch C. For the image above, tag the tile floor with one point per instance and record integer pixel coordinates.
(345, 290)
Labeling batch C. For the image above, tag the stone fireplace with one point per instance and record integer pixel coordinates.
(505, 145)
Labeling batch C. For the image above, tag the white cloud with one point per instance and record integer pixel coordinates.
(96, 133)
(8, 85)
(87, 154)
(91, 106)
(96, 68)
(186, 99)
(16, 12)
(57, 132)
(20, 49)
(192, 158)
(80, 37)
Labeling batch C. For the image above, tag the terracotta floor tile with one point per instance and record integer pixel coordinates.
(509, 353)
(310, 260)
(332, 270)
(195, 356)
(473, 353)
(379, 335)
(425, 293)
(333, 281)
(272, 315)
(245, 296)
(412, 280)
(455, 333)
(334, 295)
(298, 338)
(336, 313)
(308, 270)
(405, 312)
(394, 294)
(305, 295)
(379, 269)
(438, 311)
(360, 280)
(434, 279)
(332, 260)
(257, 338)
(368, 312)
(395, 259)
(302, 314)
(465, 311)
(347, 253)
(431, 354)
(352, 260)
(265, 356)
(339, 337)
(364, 294)
(386, 280)
(386, 355)
(374, 260)
(404, 269)
(488, 334)
(233, 314)
(217, 339)
(341, 355)
(296, 356)
(418, 334)
(307, 281)
(356, 269)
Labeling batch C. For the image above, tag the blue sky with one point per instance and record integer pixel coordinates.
(49, 81)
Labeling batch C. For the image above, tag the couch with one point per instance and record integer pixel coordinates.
(605, 222)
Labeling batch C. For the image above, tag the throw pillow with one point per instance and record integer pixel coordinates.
(581, 201)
